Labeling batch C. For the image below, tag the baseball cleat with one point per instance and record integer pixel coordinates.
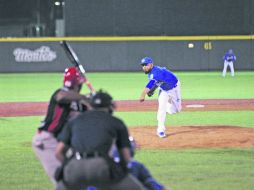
(161, 134)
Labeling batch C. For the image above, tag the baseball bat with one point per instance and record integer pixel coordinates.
(75, 61)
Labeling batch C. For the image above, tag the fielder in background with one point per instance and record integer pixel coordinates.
(63, 103)
(229, 59)
(169, 95)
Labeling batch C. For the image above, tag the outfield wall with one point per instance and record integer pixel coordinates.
(124, 53)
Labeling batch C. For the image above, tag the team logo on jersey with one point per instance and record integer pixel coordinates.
(151, 76)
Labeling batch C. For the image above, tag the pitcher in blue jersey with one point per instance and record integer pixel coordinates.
(169, 96)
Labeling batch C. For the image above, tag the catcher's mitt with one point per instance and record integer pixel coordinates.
(152, 90)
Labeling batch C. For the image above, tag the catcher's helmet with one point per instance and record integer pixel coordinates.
(72, 77)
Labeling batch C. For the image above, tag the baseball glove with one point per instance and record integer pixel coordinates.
(152, 90)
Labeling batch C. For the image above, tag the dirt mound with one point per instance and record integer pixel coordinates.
(194, 137)
(177, 137)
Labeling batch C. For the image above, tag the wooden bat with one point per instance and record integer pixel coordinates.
(75, 61)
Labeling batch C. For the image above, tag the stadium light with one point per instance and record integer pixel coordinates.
(57, 3)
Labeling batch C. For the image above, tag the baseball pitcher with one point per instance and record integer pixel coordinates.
(169, 95)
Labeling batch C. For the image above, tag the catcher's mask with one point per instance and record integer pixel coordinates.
(103, 100)
(72, 77)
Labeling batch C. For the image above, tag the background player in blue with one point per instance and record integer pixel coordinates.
(229, 59)
(169, 96)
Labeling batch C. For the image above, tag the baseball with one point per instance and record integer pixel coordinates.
(190, 45)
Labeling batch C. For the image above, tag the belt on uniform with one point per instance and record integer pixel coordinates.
(171, 88)
(87, 155)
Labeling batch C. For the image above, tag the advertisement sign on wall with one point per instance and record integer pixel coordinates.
(42, 54)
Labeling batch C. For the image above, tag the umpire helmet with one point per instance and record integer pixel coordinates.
(102, 100)
(72, 77)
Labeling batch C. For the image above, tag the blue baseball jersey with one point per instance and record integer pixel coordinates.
(229, 57)
(161, 77)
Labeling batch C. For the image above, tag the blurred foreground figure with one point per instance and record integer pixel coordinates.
(62, 104)
(84, 149)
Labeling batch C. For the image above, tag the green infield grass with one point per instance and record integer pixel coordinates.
(192, 169)
(232, 118)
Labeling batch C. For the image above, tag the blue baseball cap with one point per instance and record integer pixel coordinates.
(146, 60)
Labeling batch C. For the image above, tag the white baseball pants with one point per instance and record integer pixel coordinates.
(231, 66)
(169, 102)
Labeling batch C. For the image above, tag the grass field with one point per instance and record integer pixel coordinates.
(192, 169)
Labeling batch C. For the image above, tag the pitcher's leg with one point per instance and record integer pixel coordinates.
(175, 104)
(162, 109)
(177, 98)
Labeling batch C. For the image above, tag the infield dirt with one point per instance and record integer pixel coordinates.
(177, 137)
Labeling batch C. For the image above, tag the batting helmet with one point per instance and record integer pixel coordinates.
(72, 77)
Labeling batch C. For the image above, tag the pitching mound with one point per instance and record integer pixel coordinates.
(194, 137)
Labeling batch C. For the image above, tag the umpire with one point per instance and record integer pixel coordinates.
(91, 136)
